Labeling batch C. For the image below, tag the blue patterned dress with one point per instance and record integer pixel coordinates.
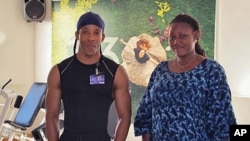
(189, 106)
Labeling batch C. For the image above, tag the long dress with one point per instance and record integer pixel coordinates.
(189, 106)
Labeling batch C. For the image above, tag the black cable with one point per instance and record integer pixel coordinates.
(6, 84)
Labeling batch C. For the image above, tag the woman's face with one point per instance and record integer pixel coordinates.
(182, 39)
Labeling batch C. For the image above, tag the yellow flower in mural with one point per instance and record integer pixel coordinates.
(86, 3)
(163, 8)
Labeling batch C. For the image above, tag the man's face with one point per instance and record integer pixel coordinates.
(90, 37)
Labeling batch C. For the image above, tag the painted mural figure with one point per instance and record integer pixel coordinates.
(140, 56)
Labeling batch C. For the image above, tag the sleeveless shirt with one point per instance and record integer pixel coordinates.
(86, 105)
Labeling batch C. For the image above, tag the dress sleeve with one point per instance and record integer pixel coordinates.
(220, 114)
(143, 118)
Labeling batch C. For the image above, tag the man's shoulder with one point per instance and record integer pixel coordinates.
(108, 60)
(64, 63)
(67, 60)
(110, 64)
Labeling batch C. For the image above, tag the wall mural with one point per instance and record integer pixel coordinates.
(136, 32)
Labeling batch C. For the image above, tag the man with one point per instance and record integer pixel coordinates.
(87, 83)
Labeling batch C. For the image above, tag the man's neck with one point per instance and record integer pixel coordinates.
(88, 59)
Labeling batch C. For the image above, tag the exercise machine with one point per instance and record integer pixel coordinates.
(8, 96)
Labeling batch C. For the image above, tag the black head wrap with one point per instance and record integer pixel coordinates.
(89, 18)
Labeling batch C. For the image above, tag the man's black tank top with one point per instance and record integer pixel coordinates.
(86, 106)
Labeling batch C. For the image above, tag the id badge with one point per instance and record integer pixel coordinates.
(96, 79)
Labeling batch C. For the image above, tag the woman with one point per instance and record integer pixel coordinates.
(187, 98)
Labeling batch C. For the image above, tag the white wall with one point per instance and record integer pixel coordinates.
(233, 34)
(232, 51)
(25, 49)
(16, 46)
